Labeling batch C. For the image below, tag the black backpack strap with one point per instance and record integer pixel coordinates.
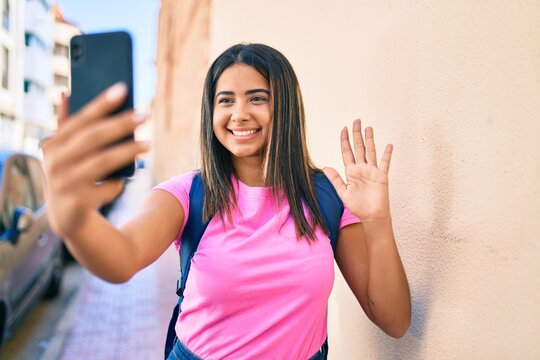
(330, 205)
(189, 242)
(331, 208)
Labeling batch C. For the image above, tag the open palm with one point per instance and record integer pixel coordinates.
(365, 191)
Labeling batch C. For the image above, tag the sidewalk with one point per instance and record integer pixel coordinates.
(121, 321)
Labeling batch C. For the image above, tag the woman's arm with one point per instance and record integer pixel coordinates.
(116, 254)
(85, 149)
(367, 253)
(369, 261)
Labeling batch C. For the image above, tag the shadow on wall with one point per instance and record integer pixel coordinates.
(429, 240)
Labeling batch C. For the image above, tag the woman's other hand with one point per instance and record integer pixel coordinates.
(365, 191)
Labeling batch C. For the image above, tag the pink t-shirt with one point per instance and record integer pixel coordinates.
(255, 291)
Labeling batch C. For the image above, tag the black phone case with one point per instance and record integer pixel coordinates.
(97, 62)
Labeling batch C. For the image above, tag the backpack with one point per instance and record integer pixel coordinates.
(330, 205)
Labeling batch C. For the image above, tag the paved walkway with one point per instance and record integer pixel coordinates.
(126, 321)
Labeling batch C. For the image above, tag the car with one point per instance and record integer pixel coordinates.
(30, 253)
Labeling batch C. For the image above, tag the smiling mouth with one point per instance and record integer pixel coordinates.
(243, 132)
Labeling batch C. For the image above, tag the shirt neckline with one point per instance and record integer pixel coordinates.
(256, 191)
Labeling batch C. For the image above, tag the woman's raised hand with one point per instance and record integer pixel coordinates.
(365, 191)
(82, 152)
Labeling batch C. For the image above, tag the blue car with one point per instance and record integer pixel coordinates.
(30, 253)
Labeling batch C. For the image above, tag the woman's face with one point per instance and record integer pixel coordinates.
(242, 111)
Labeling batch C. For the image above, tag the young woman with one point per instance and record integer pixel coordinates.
(260, 280)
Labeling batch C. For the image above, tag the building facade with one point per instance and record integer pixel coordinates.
(38, 72)
(34, 59)
(63, 32)
(11, 82)
(26, 42)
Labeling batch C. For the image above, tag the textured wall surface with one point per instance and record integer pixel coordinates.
(455, 86)
(182, 61)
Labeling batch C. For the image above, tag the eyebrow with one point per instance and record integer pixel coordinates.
(252, 91)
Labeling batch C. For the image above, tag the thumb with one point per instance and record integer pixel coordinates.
(336, 180)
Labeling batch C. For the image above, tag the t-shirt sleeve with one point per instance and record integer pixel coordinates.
(347, 219)
(179, 186)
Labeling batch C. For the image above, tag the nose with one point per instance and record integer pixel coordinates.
(239, 113)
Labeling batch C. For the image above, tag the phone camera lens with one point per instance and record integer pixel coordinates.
(76, 51)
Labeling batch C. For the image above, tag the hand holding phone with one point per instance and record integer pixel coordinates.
(94, 137)
(80, 153)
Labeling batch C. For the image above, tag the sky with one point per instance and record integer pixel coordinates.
(139, 18)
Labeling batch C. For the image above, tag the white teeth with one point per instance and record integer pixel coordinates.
(244, 133)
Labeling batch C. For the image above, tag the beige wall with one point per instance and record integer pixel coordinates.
(182, 61)
(455, 86)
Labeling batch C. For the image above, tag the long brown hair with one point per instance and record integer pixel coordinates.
(287, 165)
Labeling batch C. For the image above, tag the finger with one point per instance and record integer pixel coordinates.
(106, 191)
(105, 162)
(387, 156)
(346, 151)
(100, 135)
(60, 119)
(336, 180)
(104, 104)
(63, 111)
(358, 140)
(371, 156)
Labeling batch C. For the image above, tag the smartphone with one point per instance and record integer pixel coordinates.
(98, 61)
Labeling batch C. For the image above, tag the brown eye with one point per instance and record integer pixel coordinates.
(258, 99)
(224, 101)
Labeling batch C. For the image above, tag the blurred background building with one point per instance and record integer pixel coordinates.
(35, 70)
(63, 32)
(38, 72)
(11, 87)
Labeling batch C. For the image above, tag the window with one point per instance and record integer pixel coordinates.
(31, 86)
(5, 67)
(61, 50)
(37, 179)
(32, 39)
(5, 14)
(18, 190)
(60, 80)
